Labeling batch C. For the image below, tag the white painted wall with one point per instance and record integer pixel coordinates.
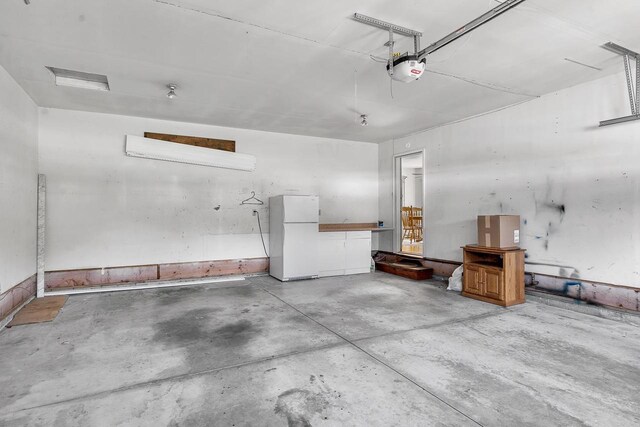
(413, 186)
(18, 183)
(530, 160)
(107, 209)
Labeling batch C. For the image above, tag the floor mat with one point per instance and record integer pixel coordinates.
(39, 310)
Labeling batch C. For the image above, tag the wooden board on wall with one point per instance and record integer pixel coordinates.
(192, 270)
(216, 144)
(100, 276)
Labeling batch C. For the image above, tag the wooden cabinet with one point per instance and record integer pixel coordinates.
(494, 275)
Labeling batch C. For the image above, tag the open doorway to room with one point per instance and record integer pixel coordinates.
(410, 179)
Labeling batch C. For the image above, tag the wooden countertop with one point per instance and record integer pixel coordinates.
(360, 226)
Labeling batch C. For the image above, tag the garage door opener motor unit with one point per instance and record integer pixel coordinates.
(407, 68)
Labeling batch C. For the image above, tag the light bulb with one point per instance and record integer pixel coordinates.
(172, 91)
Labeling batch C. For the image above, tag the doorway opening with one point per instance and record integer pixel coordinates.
(410, 177)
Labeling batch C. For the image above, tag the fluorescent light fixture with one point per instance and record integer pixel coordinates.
(147, 148)
(79, 79)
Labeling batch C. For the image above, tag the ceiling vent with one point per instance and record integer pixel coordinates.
(79, 79)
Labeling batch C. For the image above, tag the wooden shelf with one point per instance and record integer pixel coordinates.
(486, 264)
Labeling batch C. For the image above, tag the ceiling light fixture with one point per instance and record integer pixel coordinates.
(172, 91)
(27, 1)
(363, 120)
(79, 79)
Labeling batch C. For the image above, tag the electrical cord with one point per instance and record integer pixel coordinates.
(261, 236)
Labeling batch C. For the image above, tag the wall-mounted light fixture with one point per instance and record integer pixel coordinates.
(363, 120)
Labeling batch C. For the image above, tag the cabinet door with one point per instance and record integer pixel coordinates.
(358, 252)
(331, 254)
(494, 285)
(300, 250)
(473, 280)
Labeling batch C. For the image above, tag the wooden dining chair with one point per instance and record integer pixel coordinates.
(407, 228)
(416, 223)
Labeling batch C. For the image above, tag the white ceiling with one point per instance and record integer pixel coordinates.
(291, 66)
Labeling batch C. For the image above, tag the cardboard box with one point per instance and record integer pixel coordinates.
(499, 231)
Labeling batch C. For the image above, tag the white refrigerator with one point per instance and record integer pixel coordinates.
(293, 237)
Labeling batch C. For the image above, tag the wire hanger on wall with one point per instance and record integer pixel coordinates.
(253, 200)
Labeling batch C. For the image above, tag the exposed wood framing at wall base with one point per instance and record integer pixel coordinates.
(590, 292)
(606, 312)
(13, 299)
(141, 273)
(604, 294)
(100, 276)
(154, 284)
(194, 270)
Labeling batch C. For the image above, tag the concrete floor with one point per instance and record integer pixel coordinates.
(372, 349)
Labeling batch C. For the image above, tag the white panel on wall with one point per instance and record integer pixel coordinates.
(107, 209)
